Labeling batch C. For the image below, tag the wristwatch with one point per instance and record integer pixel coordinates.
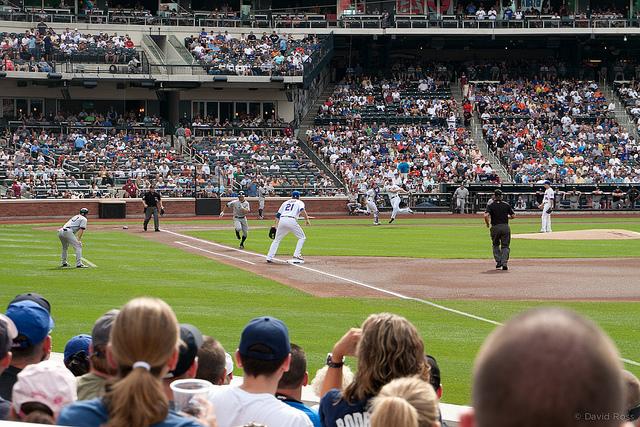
(332, 364)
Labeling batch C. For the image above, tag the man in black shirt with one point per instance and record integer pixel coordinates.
(499, 213)
(152, 201)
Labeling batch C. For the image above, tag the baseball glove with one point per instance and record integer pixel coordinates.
(549, 211)
(272, 232)
(162, 211)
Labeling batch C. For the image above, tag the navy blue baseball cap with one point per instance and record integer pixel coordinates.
(32, 320)
(267, 332)
(77, 344)
(295, 194)
(32, 296)
(192, 340)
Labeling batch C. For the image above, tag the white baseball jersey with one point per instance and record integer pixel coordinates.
(393, 190)
(291, 208)
(371, 195)
(549, 196)
(76, 223)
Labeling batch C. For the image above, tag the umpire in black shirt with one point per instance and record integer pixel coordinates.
(152, 202)
(499, 213)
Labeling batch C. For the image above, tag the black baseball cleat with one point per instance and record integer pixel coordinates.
(82, 266)
(391, 220)
(498, 266)
(237, 235)
(157, 229)
(64, 264)
(144, 228)
(241, 246)
(505, 268)
(269, 261)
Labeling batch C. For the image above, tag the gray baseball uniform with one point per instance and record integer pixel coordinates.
(460, 197)
(239, 216)
(262, 194)
(67, 236)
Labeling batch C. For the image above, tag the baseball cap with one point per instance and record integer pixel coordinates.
(8, 333)
(32, 296)
(241, 193)
(77, 344)
(32, 321)
(268, 332)
(547, 182)
(295, 194)
(192, 340)
(228, 363)
(102, 328)
(47, 382)
(498, 192)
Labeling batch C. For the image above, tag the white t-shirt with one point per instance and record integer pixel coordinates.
(291, 208)
(76, 223)
(549, 196)
(236, 407)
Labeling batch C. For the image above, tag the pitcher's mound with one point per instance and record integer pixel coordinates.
(593, 234)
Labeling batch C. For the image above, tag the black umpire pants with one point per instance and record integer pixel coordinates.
(501, 238)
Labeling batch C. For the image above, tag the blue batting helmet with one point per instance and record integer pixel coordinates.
(295, 194)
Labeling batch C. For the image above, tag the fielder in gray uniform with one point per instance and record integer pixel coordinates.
(71, 234)
(240, 209)
(262, 194)
(460, 198)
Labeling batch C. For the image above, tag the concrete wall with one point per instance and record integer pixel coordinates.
(23, 209)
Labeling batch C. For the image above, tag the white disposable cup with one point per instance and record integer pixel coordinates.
(184, 392)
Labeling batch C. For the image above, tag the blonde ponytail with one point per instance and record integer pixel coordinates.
(145, 330)
(394, 411)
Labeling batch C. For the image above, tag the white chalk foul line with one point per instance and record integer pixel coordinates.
(89, 263)
(375, 288)
(215, 253)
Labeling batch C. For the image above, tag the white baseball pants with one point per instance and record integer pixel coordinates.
(395, 204)
(285, 226)
(546, 220)
(373, 209)
(67, 238)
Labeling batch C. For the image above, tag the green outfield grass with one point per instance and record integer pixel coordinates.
(220, 299)
(438, 238)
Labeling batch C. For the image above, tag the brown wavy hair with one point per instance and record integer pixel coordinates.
(390, 348)
(405, 402)
(146, 330)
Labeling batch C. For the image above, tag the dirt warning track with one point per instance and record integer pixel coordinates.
(527, 279)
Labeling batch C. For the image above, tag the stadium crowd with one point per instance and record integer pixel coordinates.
(563, 131)
(135, 365)
(37, 49)
(250, 55)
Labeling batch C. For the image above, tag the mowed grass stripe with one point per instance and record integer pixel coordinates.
(220, 299)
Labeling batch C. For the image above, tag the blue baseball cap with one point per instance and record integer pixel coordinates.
(295, 194)
(267, 332)
(32, 320)
(77, 344)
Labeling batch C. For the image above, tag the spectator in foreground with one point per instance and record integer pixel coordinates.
(383, 337)
(549, 367)
(40, 393)
(187, 365)
(144, 347)
(291, 383)
(33, 343)
(76, 354)
(316, 384)
(212, 362)
(405, 402)
(633, 397)
(92, 384)
(8, 332)
(264, 354)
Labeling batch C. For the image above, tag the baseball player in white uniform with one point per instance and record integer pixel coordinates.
(460, 198)
(240, 208)
(394, 191)
(71, 234)
(547, 206)
(372, 207)
(287, 222)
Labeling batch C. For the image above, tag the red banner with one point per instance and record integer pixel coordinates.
(444, 5)
(411, 7)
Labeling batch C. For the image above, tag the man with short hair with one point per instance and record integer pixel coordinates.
(264, 354)
(187, 364)
(92, 384)
(32, 344)
(212, 362)
(460, 198)
(547, 367)
(291, 383)
(496, 217)
(8, 333)
(240, 209)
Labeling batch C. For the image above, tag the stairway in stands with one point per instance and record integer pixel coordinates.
(476, 134)
(621, 113)
(307, 123)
